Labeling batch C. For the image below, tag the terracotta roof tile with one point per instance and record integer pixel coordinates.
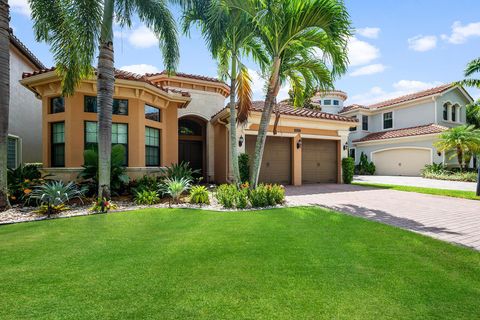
(25, 51)
(185, 75)
(404, 132)
(352, 107)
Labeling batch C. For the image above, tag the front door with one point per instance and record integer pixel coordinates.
(192, 142)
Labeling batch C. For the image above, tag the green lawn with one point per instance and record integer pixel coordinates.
(275, 264)
(438, 192)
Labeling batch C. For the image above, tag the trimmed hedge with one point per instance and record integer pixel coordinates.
(348, 168)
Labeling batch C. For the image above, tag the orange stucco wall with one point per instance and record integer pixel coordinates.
(221, 153)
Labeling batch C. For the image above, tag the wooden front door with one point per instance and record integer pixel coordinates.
(192, 143)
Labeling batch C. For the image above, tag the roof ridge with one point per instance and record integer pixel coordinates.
(184, 75)
(24, 49)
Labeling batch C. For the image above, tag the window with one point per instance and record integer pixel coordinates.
(152, 113)
(189, 128)
(351, 153)
(445, 111)
(119, 137)
(364, 123)
(388, 120)
(336, 102)
(454, 113)
(57, 105)
(152, 147)
(120, 106)
(327, 102)
(353, 128)
(12, 152)
(58, 144)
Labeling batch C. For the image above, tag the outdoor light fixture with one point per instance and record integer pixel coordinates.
(240, 141)
(345, 146)
(299, 143)
(439, 153)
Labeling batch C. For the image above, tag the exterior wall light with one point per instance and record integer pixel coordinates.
(299, 143)
(240, 141)
(345, 146)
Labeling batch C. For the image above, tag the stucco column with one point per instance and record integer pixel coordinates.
(170, 136)
(136, 134)
(449, 112)
(296, 161)
(210, 149)
(46, 145)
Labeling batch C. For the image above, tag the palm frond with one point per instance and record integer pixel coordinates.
(472, 67)
(244, 92)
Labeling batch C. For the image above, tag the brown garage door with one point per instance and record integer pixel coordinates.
(319, 161)
(277, 160)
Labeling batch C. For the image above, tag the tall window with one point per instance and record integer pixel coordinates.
(364, 123)
(388, 120)
(57, 105)
(327, 102)
(336, 102)
(120, 106)
(152, 113)
(454, 113)
(445, 111)
(58, 144)
(351, 153)
(12, 152)
(152, 147)
(119, 136)
(353, 128)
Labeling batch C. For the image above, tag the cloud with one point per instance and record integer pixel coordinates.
(460, 33)
(140, 68)
(361, 52)
(142, 37)
(369, 32)
(422, 43)
(259, 90)
(399, 88)
(367, 70)
(20, 6)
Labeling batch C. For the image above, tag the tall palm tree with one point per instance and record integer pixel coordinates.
(461, 139)
(229, 36)
(306, 43)
(4, 99)
(77, 29)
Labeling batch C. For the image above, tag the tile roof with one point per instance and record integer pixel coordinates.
(185, 75)
(405, 132)
(25, 51)
(352, 107)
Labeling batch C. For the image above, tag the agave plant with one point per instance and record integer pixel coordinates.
(179, 171)
(174, 187)
(55, 194)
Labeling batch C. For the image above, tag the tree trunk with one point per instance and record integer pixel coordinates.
(4, 100)
(233, 121)
(273, 87)
(460, 157)
(105, 89)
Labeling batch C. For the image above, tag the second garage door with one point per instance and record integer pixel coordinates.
(401, 162)
(319, 161)
(277, 160)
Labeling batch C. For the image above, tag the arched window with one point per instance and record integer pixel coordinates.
(454, 113)
(445, 111)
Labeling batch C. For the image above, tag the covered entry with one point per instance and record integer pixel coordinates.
(277, 160)
(319, 161)
(401, 161)
(191, 142)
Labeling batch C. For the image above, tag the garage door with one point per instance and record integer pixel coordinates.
(277, 161)
(401, 162)
(319, 161)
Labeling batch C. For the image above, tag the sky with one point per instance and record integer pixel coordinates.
(399, 47)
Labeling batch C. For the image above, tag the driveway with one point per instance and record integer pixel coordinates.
(418, 182)
(449, 219)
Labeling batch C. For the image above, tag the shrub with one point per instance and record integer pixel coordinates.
(226, 195)
(259, 197)
(103, 206)
(435, 168)
(145, 183)
(180, 171)
(22, 180)
(348, 169)
(146, 197)
(365, 167)
(174, 187)
(276, 194)
(55, 194)
(242, 198)
(244, 167)
(199, 195)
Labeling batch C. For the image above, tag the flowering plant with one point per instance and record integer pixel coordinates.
(102, 205)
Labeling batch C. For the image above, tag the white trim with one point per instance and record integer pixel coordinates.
(383, 121)
(405, 147)
(18, 149)
(393, 140)
(465, 93)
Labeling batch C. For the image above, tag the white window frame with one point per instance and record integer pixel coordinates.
(18, 149)
(355, 155)
(383, 120)
(368, 122)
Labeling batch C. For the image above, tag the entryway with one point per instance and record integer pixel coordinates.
(192, 142)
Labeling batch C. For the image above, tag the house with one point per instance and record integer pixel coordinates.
(162, 119)
(24, 132)
(398, 135)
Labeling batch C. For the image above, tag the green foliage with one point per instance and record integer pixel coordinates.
(241, 201)
(365, 167)
(226, 195)
(119, 178)
(199, 195)
(180, 171)
(145, 183)
(103, 205)
(259, 196)
(462, 139)
(348, 169)
(244, 167)
(230, 196)
(174, 187)
(473, 114)
(45, 209)
(275, 194)
(22, 180)
(146, 197)
(437, 168)
(468, 176)
(56, 193)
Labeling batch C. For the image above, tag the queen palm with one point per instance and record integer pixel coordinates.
(460, 139)
(77, 29)
(4, 99)
(306, 43)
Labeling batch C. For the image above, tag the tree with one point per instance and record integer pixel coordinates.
(229, 36)
(460, 139)
(4, 99)
(77, 29)
(306, 43)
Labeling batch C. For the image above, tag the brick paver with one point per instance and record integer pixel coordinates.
(449, 219)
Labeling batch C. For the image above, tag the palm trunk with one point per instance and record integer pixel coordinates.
(460, 157)
(4, 100)
(233, 122)
(273, 87)
(105, 89)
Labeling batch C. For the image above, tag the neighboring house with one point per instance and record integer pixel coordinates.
(398, 135)
(25, 126)
(162, 120)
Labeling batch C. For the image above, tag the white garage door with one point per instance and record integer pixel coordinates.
(401, 162)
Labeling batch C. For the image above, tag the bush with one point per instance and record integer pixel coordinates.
(226, 195)
(145, 183)
(174, 187)
(55, 194)
(229, 196)
(259, 197)
(146, 197)
(276, 194)
(244, 167)
(22, 180)
(348, 169)
(181, 171)
(435, 168)
(241, 201)
(103, 206)
(365, 167)
(199, 195)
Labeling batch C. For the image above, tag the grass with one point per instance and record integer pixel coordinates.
(438, 192)
(293, 263)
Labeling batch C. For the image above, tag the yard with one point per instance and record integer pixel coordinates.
(281, 263)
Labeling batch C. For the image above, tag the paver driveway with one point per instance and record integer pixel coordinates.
(449, 219)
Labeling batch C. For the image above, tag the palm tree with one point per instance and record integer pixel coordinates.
(229, 36)
(77, 29)
(461, 139)
(4, 99)
(306, 43)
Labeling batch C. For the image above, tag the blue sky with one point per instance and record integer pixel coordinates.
(399, 47)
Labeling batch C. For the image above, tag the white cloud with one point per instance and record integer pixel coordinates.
(20, 6)
(142, 37)
(259, 90)
(140, 68)
(361, 52)
(399, 88)
(367, 70)
(369, 32)
(422, 43)
(460, 33)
